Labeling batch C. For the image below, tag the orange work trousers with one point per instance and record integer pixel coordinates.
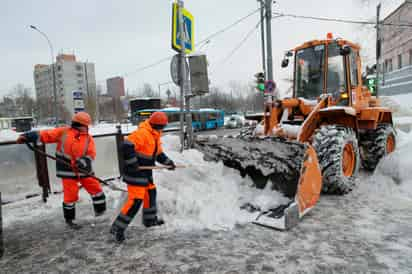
(138, 193)
(71, 188)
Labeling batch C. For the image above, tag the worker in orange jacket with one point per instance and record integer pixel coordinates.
(75, 150)
(141, 148)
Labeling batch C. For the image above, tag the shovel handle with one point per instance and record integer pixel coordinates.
(159, 167)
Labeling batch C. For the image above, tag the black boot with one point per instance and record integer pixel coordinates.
(117, 233)
(69, 213)
(99, 204)
(154, 222)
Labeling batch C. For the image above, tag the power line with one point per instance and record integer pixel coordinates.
(149, 66)
(228, 27)
(206, 40)
(348, 21)
(240, 44)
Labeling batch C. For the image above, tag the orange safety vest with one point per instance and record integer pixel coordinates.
(148, 149)
(71, 145)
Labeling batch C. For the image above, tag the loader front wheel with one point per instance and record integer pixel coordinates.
(338, 153)
(375, 144)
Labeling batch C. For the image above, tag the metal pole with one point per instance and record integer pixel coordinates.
(269, 74)
(159, 89)
(56, 113)
(269, 40)
(262, 30)
(184, 87)
(378, 49)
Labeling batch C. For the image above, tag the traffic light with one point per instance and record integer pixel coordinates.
(372, 85)
(260, 81)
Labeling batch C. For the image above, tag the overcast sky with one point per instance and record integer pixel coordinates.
(122, 36)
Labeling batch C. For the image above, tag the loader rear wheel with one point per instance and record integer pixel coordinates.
(375, 144)
(339, 159)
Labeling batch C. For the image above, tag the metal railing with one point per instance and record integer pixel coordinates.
(42, 170)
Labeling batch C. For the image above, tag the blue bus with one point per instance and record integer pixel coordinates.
(202, 119)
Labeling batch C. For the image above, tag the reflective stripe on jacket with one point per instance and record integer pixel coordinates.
(71, 145)
(148, 148)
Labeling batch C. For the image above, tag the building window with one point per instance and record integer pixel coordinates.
(390, 65)
(59, 68)
(79, 75)
(78, 67)
(399, 61)
(80, 81)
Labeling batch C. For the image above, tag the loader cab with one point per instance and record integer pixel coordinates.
(309, 72)
(327, 67)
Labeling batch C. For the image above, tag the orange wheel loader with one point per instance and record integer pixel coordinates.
(318, 139)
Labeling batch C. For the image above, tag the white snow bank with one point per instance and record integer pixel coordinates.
(8, 135)
(391, 180)
(205, 194)
(106, 128)
(400, 104)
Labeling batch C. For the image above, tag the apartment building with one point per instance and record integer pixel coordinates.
(70, 76)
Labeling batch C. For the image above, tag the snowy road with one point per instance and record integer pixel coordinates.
(343, 235)
(366, 231)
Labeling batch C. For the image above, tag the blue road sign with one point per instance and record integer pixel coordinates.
(188, 22)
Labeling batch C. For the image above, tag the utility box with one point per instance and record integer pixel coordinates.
(199, 79)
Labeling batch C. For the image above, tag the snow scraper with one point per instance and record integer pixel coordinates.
(290, 166)
(315, 140)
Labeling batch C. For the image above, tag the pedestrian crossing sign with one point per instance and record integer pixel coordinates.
(188, 30)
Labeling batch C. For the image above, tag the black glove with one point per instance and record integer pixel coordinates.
(28, 137)
(84, 164)
(171, 164)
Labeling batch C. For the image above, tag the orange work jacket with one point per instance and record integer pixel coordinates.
(71, 145)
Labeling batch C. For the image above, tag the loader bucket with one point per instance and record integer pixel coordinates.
(290, 166)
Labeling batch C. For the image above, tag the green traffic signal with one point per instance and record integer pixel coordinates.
(261, 86)
(260, 81)
(372, 85)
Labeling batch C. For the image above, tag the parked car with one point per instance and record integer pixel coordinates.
(234, 121)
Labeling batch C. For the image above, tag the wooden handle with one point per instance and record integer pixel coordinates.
(159, 167)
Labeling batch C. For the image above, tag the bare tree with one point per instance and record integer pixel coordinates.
(147, 91)
(19, 101)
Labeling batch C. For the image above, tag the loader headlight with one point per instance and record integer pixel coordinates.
(344, 95)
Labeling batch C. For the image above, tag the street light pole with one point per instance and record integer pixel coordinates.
(56, 114)
(262, 34)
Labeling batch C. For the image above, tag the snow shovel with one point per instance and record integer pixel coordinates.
(159, 167)
(105, 182)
